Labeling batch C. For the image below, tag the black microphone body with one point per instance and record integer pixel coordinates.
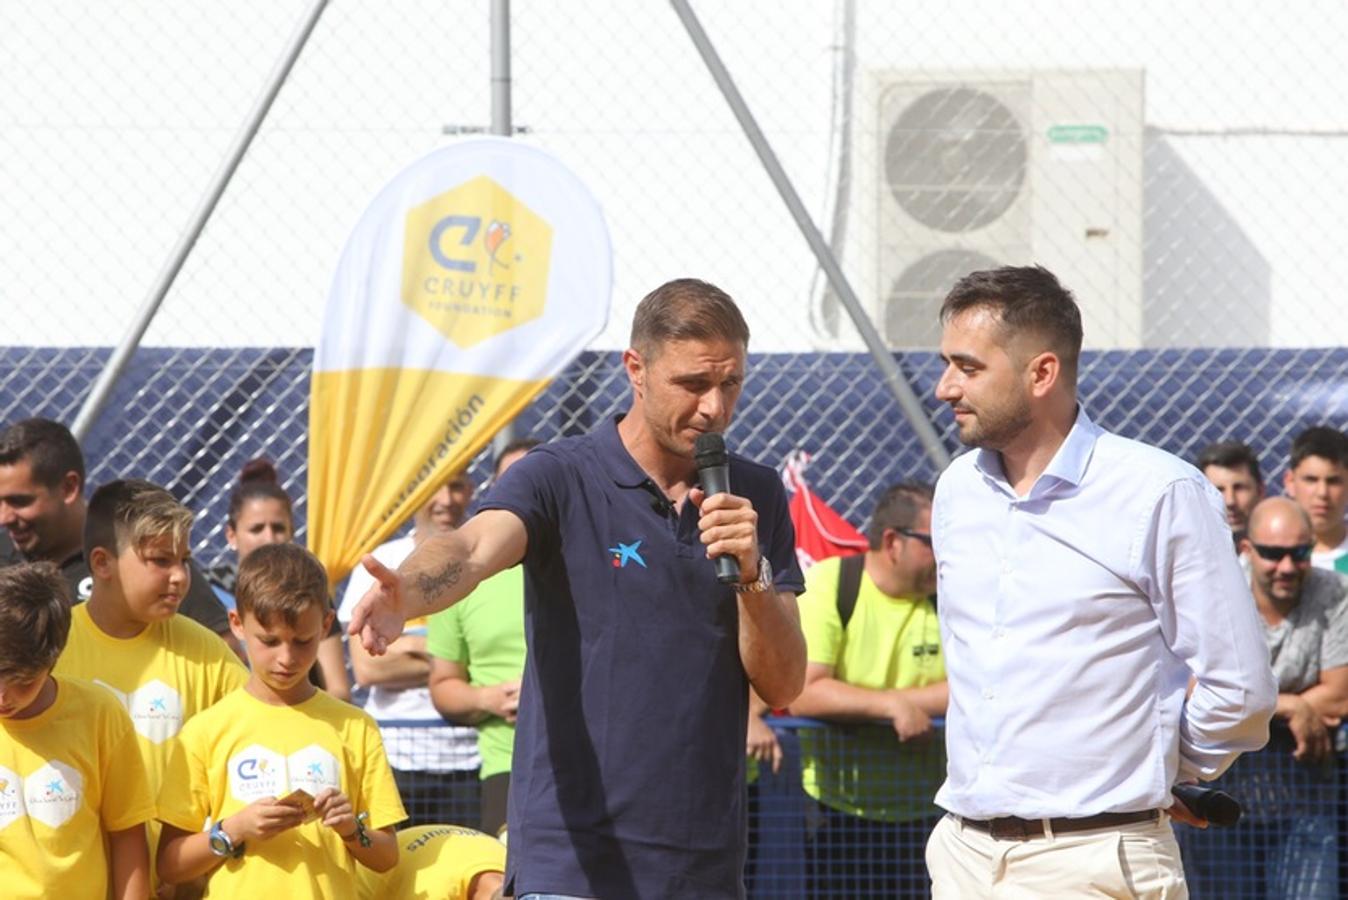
(1218, 807)
(713, 472)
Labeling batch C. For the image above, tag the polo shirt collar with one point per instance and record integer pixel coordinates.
(1068, 465)
(615, 458)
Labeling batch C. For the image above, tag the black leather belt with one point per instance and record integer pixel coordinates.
(1014, 828)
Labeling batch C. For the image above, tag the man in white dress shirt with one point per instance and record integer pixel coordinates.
(1083, 577)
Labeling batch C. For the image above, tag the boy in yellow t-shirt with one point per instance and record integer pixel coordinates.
(73, 794)
(164, 668)
(440, 862)
(279, 790)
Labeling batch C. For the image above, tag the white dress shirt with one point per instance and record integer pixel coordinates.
(1071, 619)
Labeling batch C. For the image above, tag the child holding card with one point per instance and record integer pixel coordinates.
(240, 766)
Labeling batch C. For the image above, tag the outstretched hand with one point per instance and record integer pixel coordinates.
(379, 616)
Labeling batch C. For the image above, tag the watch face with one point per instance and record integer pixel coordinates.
(220, 844)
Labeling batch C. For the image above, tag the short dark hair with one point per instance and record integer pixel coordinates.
(1231, 455)
(898, 507)
(280, 581)
(257, 481)
(48, 446)
(126, 513)
(34, 618)
(1322, 441)
(686, 309)
(525, 443)
(1025, 299)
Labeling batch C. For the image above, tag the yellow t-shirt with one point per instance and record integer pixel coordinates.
(67, 777)
(241, 750)
(435, 862)
(163, 676)
(889, 643)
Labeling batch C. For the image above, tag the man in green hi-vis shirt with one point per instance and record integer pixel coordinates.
(874, 651)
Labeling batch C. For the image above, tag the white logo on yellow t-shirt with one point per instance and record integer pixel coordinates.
(53, 793)
(156, 709)
(257, 772)
(313, 769)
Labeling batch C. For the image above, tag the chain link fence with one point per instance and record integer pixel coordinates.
(1177, 165)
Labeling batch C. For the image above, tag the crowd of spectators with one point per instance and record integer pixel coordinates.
(874, 652)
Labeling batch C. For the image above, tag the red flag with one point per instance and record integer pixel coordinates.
(820, 532)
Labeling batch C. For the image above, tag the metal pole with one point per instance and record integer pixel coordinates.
(908, 402)
(500, 68)
(107, 379)
(501, 124)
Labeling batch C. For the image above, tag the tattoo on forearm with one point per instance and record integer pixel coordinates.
(432, 587)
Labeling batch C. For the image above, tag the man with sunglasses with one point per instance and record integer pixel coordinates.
(1305, 622)
(874, 653)
(1288, 827)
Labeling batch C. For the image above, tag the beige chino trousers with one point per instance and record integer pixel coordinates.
(1140, 860)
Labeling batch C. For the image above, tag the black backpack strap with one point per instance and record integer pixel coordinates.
(849, 585)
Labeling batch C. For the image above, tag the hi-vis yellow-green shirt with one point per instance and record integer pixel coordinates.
(889, 643)
(163, 676)
(241, 750)
(68, 776)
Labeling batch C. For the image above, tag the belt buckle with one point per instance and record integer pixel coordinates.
(1012, 828)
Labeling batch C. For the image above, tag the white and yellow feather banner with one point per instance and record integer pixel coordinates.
(471, 281)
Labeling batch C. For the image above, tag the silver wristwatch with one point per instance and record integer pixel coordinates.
(222, 845)
(762, 583)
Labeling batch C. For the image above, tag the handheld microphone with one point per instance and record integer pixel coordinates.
(1218, 807)
(713, 471)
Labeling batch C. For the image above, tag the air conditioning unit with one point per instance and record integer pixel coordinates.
(958, 171)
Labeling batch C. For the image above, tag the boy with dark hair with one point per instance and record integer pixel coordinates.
(1317, 479)
(73, 793)
(163, 668)
(293, 784)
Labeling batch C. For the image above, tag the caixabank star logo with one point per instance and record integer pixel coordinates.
(475, 261)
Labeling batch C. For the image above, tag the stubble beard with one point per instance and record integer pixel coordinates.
(994, 429)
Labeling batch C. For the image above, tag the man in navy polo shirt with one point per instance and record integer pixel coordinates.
(628, 778)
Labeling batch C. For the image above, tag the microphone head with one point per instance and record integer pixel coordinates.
(709, 450)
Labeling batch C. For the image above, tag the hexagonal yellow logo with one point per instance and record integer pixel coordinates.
(475, 261)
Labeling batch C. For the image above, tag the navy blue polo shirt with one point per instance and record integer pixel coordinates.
(628, 776)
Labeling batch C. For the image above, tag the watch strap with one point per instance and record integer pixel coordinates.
(762, 583)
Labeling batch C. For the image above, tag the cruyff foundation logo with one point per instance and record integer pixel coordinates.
(475, 261)
(256, 772)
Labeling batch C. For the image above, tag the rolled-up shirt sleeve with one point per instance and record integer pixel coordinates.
(1209, 621)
